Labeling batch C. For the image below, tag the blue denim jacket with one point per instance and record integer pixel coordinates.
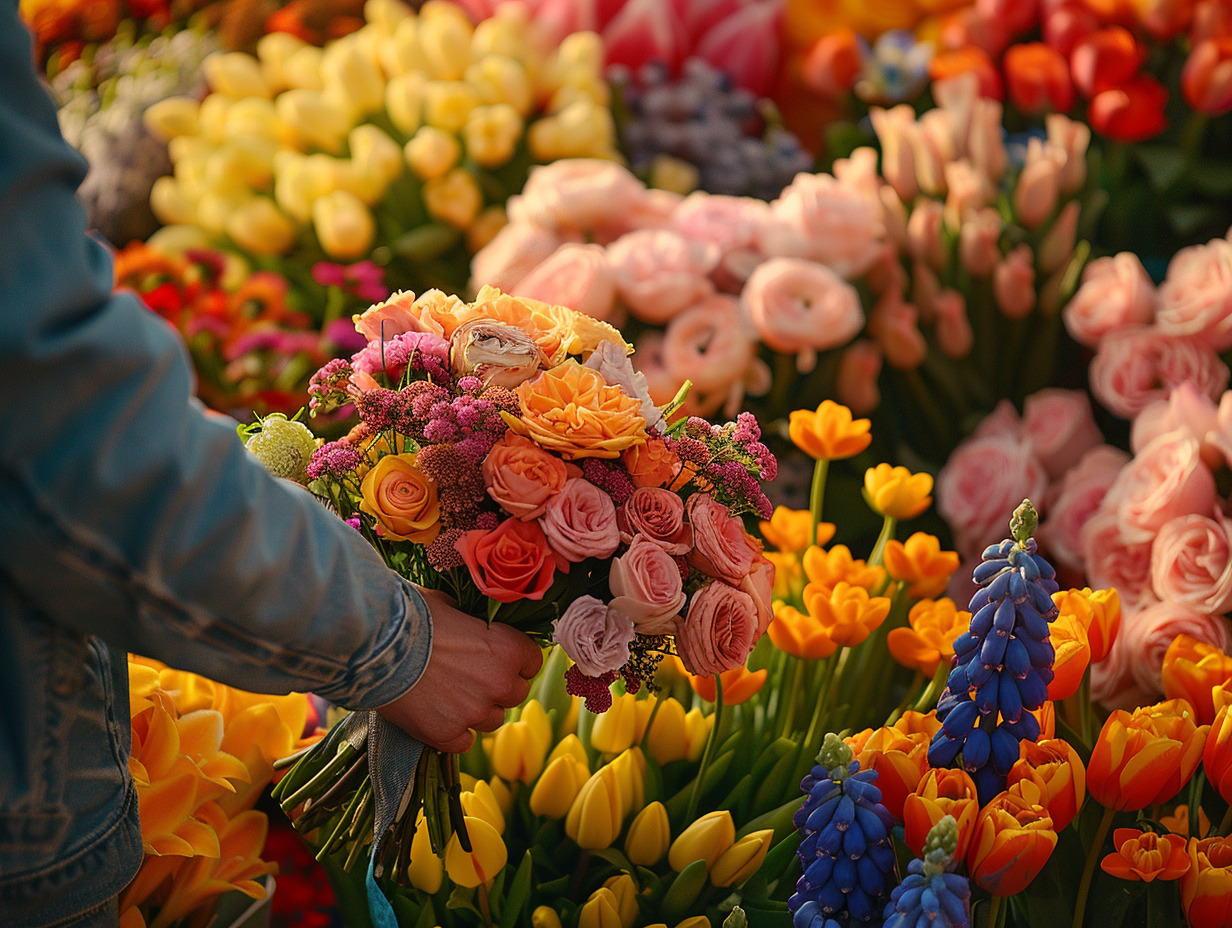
(129, 521)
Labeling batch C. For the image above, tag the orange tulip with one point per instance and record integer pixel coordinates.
(826, 568)
(1100, 613)
(1132, 112)
(847, 613)
(1073, 656)
(921, 564)
(1206, 79)
(1146, 856)
(1221, 695)
(739, 684)
(830, 433)
(1054, 766)
(1217, 754)
(941, 792)
(798, 634)
(1145, 757)
(1012, 843)
(833, 63)
(968, 59)
(897, 493)
(1192, 670)
(1037, 77)
(788, 529)
(930, 639)
(1105, 59)
(1206, 888)
(900, 760)
(1046, 715)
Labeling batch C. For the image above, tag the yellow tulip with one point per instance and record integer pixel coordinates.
(404, 97)
(212, 117)
(454, 198)
(741, 860)
(215, 209)
(313, 120)
(482, 803)
(445, 38)
(698, 726)
(255, 116)
(624, 890)
(630, 767)
(447, 104)
(586, 129)
(491, 134)
(580, 87)
(897, 493)
(614, 729)
(431, 153)
(487, 857)
(571, 746)
(544, 917)
(375, 158)
(706, 839)
(344, 226)
(171, 204)
(518, 750)
(177, 239)
(556, 789)
(302, 69)
(535, 717)
(261, 228)
(502, 794)
(171, 117)
(500, 79)
(595, 817)
(425, 871)
(352, 76)
(649, 835)
(235, 73)
(507, 33)
(273, 51)
(694, 921)
(601, 910)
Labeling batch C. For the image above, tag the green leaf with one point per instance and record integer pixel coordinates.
(519, 893)
(1163, 164)
(463, 898)
(683, 892)
(763, 916)
(779, 819)
(1212, 177)
(614, 857)
(777, 783)
(427, 916)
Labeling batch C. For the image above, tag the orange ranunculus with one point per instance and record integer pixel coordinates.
(847, 613)
(1037, 78)
(826, 568)
(1132, 112)
(1146, 856)
(1206, 79)
(1192, 669)
(1145, 757)
(1055, 767)
(968, 59)
(788, 529)
(573, 411)
(1073, 655)
(897, 493)
(1100, 612)
(799, 634)
(739, 684)
(402, 499)
(930, 639)
(941, 792)
(829, 433)
(1013, 841)
(920, 563)
(1217, 754)
(652, 464)
(1206, 887)
(900, 760)
(1178, 822)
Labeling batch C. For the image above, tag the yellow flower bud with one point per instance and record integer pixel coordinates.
(669, 735)
(507, 33)
(172, 117)
(177, 239)
(571, 746)
(536, 719)
(482, 803)
(586, 129)
(487, 857)
(261, 228)
(297, 185)
(698, 726)
(454, 198)
(344, 226)
(212, 117)
(544, 917)
(351, 74)
(302, 69)
(630, 768)
(445, 37)
(649, 835)
(215, 207)
(401, 53)
(668, 172)
(624, 890)
(706, 839)
(502, 794)
(580, 51)
(404, 101)
(184, 147)
(235, 168)
(595, 817)
(491, 134)
(517, 752)
(235, 73)
(741, 860)
(489, 221)
(498, 79)
(170, 203)
(273, 51)
(431, 153)
(386, 14)
(447, 104)
(314, 120)
(614, 729)
(601, 910)
(375, 156)
(254, 116)
(425, 871)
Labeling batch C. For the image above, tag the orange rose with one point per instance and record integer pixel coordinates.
(652, 464)
(440, 312)
(522, 477)
(573, 411)
(402, 500)
(511, 562)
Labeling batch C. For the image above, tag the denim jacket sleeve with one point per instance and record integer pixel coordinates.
(125, 511)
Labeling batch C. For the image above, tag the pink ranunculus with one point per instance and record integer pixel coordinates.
(1136, 366)
(710, 344)
(515, 251)
(575, 195)
(1195, 298)
(818, 218)
(1075, 500)
(1114, 561)
(719, 548)
(1003, 420)
(1060, 428)
(594, 635)
(1165, 480)
(580, 522)
(1013, 283)
(521, 477)
(647, 587)
(1116, 293)
(1191, 562)
(1186, 409)
(659, 273)
(576, 276)
(732, 224)
(512, 561)
(802, 307)
(719, 631)
(1148, 633)
(981, 483)
(658, 515)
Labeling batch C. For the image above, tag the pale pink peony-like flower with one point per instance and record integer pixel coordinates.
(1191, 562)
(515, 251)
(818, 218)
(1196, 297)
(719, 630)
(576, 276)
(1059, 426)
(659, 273)
(576, 195)
(580, 522)
(710, 344)
(731, 224)
(1113, 561)
(1116, 293)
(1147, 634)
(1136, 366)
(1074, 501)
(1165, 480)
(594, 635)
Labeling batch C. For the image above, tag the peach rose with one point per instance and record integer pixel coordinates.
(719, 630)
(1073, 502)
(1191, 562)
(385, 320)
(658, 272)
(439, 312)
(515, 251)
(821, 219)
(577, 276)
(653, 464)
(522, 477)
(1165, 480)
(512, 561)
(1059, 427)
(1136, 366)
(1196, 297)
(577, 194)
(1148, 633)
(595, 636)
(402, 499)
(1116, 293)
(580, 522)
(802, 307)
(719, 546)
(573, 411)
(1114, 561)
(658, 515)
(647, 587)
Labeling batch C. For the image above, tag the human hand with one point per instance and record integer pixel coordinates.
(475, 673)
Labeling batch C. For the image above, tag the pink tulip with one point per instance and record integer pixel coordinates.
(859, 367)
(1013, 283)
(745, 44)
(645, 31)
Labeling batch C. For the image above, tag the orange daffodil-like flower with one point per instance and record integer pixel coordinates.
(788, 530)
(739, 685)
(1192, 670)
(897, 493)
(847, 613)
(1145, 757)
(829, 433)
(826, 568)
(574, 412)
(1012, 843)
(1146, 856)
(799, 634)
(920, 563)
(1206, 887)
(929, 641)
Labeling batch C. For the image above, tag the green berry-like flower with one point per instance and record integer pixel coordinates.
(835, 755)
(283, 445)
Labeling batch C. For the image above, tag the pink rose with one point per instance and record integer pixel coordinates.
(659, 272)
(1116, 561)
(818, 218)
(1165, 480)
(511, 562)
(1148, 633)
(1134, 367)
(1003, 420)
(576, 276)
(1075, 500)
(802, 307)
(580, 522)
(981, 483)
(719, 631)
(1059, 427)
(719, 548)
(647, 587)
(1191, 563)
(1196, 297)
(1188, 410)
(576, 195)
(1116, 293)
(515, 251)
(595, 636)
(657, 515)
(522, 477)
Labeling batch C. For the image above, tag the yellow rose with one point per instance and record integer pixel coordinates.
(573, 411)
(402, 500)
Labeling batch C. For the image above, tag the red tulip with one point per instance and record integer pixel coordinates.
(1206, 80)
(1105, 59)
(1130, 113)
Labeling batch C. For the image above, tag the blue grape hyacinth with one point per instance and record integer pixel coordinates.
(1002, 664)
(930, 895)
(846, 849)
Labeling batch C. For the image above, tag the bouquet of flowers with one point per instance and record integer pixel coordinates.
(506, 452)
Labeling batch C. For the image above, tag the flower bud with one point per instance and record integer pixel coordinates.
(601, 910)
(171, 117)
(492, 133)
(649, 836)
(425, 870)
(273, 51)
(630, 767)
(586, 130)
(694, 921)
(236, 74)
(483, 229)
(595, 817)
(544, 917)
(212, 117)
(624, 890)
(507, 33)
(517, 754)
(499, 79)
(261, 228)
(571, 746)
(706, 839)
(375, 153)
(481, 802)
(445, 37)
(614, 729)
(171, 204)
(386, 15)
(454, 198)
(302, 69)
(404, 101)
(447, 104)
(488, 854)
(313, 120)
(352, 76)
(254, 116)
(431, 152)
(215, 208)
(558, 786)
(344, 226)
(741, 860)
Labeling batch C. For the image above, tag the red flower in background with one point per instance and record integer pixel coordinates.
(1037, 78)
(1132, 112)
(1206, 80)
